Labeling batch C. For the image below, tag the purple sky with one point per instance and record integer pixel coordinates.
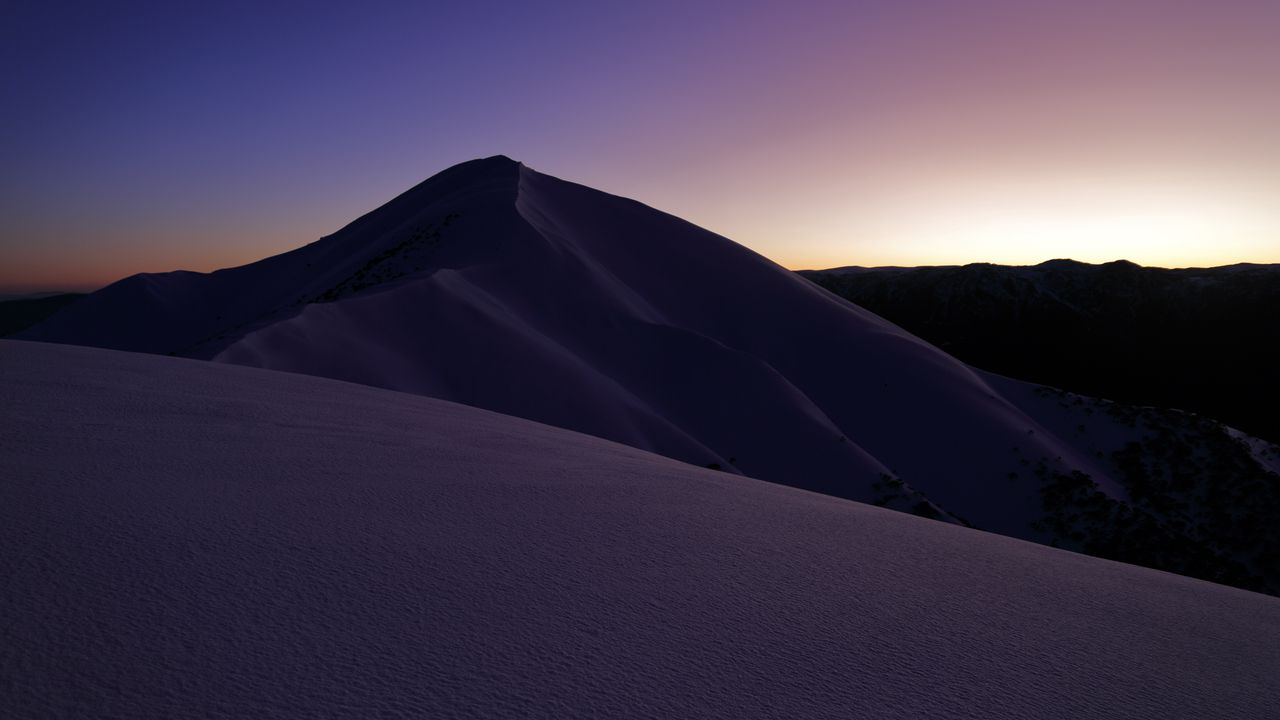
(153, 136)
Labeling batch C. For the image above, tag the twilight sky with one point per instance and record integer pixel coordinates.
(154, 136)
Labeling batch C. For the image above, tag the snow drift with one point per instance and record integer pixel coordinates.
(185, 539)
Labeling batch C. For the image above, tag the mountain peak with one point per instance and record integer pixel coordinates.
(491, 164)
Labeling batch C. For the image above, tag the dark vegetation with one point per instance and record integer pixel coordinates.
(18, 315)
(892, 492)
(1204, 340)
(404, 258)
(407, 256)
(1197, 503)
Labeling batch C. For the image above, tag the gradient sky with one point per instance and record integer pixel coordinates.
(154, 136)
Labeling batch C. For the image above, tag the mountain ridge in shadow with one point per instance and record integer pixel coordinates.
(1200, 339)
(18, 314)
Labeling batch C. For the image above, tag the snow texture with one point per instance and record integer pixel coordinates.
(187, 539)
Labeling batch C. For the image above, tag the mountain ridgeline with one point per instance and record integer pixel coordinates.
(1205, 340)
(18, 314)
(496, 286)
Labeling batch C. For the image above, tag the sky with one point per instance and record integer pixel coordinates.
(143, 137)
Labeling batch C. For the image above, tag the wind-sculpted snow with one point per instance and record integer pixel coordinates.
(499, 287)
(184, 539)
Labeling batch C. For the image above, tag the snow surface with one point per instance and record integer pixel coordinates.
(186, 539)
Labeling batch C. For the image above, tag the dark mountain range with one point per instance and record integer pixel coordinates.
(1203, 340)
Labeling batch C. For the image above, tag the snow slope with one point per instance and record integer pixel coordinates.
(185, 539)
(499, 287)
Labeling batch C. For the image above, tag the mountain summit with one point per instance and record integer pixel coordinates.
(493, 285)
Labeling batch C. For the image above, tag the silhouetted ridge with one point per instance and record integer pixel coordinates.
(21, 313)
(198, 314)
(1201, 339)
(491, 172)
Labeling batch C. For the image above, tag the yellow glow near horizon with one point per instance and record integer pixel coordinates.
(1153, 228)
(1030, 222)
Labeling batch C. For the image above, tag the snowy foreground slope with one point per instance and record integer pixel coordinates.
(185, 539)
(496, 286)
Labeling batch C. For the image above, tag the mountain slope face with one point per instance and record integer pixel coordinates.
(499, 287)
(1201, 339)
(188, 539)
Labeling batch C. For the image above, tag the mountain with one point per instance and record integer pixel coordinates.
(188, 539)
(18, 314)
(496, 286)
(1200, 339)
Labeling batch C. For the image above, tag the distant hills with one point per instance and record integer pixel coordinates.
(496, 286)
(1205, 340)
(20, 313)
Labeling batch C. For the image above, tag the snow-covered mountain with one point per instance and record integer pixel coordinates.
(496, 286)
(185, 539)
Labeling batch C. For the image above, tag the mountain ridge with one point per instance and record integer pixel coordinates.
(1201, 339)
